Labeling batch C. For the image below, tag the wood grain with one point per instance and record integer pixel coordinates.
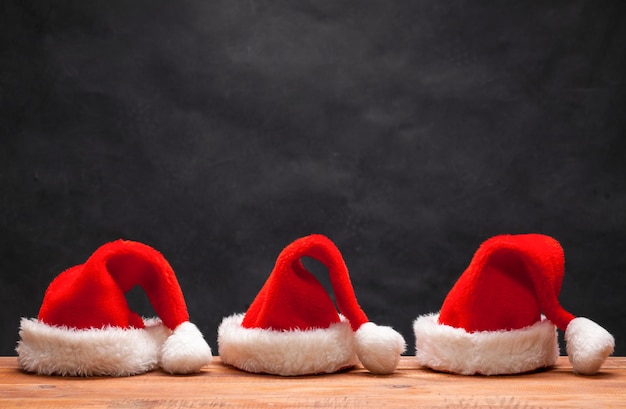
(220, 386)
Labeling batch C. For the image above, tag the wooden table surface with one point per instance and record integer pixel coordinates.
(410, 386)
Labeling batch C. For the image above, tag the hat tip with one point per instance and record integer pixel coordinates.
(185, 350)
(588, 345)
(379, 348)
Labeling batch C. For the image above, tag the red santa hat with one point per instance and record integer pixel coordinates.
(501, 315)
(86, 328)
(294, 328)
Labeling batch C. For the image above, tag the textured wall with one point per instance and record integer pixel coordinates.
(219, 131)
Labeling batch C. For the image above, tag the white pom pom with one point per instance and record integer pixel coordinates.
(379, 348)
(185, 351)
(588, 345)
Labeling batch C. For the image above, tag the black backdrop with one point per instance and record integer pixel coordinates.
(219, 131)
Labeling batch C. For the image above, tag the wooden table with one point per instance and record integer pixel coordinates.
(411, 386)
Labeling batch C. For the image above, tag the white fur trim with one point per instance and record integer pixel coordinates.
(379, 348)
(449, 349)
(50, 350)
(185, 351)
(286, 353)
(588, 345)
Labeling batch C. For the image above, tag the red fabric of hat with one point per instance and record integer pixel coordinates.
(292, 298)
(510, 282)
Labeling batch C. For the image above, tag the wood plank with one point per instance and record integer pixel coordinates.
(410, 386)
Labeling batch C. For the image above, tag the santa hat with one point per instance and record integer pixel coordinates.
(501, 315)
(86, 328)
(293, 327)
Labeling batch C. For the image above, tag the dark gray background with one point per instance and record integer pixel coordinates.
(219, 131)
